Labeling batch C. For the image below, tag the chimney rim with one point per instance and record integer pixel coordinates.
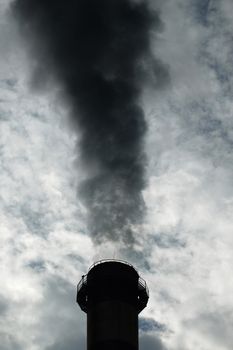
(102, 261)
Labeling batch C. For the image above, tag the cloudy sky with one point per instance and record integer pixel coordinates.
(185, 249)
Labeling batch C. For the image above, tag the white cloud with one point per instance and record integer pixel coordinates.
(189, 194)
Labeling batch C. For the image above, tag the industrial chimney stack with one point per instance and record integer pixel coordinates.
(112, 294)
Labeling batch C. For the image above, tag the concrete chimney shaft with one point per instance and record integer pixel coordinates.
(112, 294)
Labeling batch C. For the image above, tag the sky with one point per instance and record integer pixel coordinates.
(184, 249)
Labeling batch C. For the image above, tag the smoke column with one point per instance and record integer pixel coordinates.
(99, 54)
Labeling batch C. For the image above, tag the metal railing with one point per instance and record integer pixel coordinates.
(82, 282)
(142, 285)
(111, 260)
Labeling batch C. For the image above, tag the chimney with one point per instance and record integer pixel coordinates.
(112, 294)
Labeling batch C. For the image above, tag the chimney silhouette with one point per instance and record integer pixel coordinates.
(112, 294)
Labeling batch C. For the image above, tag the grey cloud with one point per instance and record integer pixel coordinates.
(3, 306)
(37, 265)
(9, 84)
(201, 10)
(149, 342)
(61, 316)
(9, 343)
(217, 326)
(217, 47)
(150, 325)
(166, 241)
(79, 342)
(28, 192)
(4, 116)
(35, 220)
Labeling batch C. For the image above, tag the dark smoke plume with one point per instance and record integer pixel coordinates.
(99, 54)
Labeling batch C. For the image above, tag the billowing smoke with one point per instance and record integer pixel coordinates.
(99, 54)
